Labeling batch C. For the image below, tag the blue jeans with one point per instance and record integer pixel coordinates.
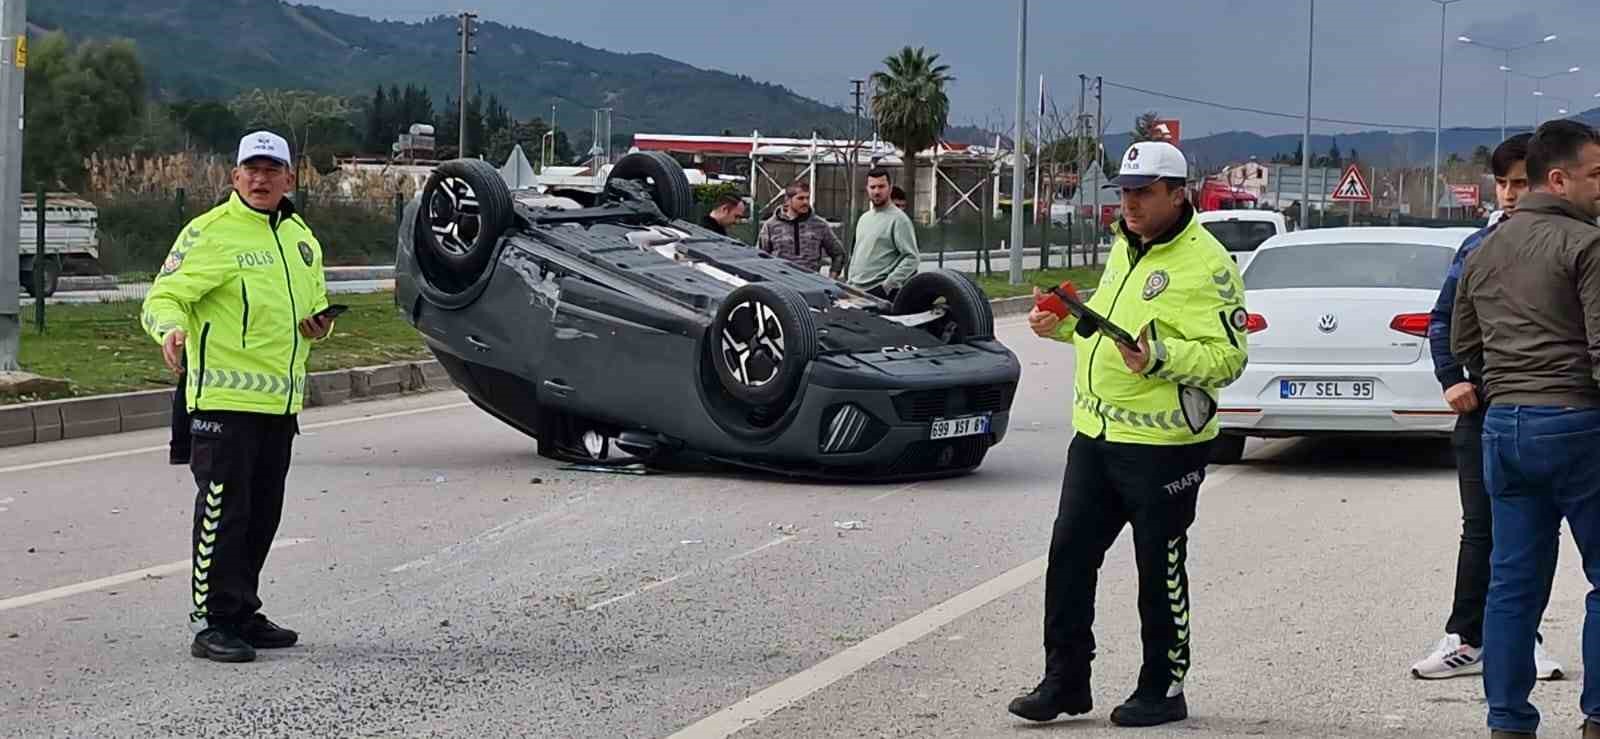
(1540, 464)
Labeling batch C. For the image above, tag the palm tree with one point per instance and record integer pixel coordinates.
(910, 105)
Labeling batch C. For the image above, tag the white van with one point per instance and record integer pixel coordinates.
(1241, 231)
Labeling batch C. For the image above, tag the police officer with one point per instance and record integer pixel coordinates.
(239, 298)
(1144, 416)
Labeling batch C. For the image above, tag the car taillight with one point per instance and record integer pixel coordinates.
(1254, 322)
(1415, 324)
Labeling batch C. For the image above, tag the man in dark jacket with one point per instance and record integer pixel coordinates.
(798, 235)
(1527, 321)
(1460, 651)
(725, 212)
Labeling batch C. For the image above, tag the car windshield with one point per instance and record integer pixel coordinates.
(1241, 235)
(1408, 266)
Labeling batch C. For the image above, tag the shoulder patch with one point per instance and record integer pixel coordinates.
(305, 253)
(1239, 318)
(1156, 284)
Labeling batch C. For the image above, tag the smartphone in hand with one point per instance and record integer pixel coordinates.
(332, 311)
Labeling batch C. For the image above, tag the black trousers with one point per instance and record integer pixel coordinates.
(1477, 534)
(1108, 486)
(240, 462)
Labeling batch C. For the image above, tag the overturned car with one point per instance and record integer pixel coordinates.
(612, 330)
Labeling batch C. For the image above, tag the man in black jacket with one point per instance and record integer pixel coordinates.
(725, 212)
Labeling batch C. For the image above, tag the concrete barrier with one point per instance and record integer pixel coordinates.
(93, 416)
(328, 388)
(46, 422)
(16, 426)
(430, 375)
(373, 382)
(146, 410)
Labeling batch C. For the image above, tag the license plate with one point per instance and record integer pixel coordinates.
(950, 428)
(1325, 389)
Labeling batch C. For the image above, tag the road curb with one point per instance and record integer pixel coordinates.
(98, 415)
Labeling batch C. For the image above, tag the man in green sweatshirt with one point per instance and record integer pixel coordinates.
(886, 246)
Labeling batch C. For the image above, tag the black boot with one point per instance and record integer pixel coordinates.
(1053, 697)
(263, 634)
(221, 644)
(1141, 711)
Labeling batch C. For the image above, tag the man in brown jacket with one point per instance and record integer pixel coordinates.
(799, 235)
(1527, 320)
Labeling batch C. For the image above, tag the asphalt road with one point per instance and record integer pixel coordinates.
(448, 582)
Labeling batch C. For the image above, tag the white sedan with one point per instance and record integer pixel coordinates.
(1338, 331)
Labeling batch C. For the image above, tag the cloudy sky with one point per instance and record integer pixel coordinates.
(1375, 60)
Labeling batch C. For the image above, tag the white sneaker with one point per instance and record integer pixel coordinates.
(1450, 658)
(1546, 667)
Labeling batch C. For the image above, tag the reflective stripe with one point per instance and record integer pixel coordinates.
(254, 382)
(1164, 420)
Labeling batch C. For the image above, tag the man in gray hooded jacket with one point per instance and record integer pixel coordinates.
(798, 235)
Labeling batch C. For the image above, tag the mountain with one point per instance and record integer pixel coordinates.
(217, 48)
(1377, 148)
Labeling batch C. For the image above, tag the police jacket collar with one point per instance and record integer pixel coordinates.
(1135, 242)
(238, 206)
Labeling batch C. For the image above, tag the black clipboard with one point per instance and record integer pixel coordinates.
(1094, 322)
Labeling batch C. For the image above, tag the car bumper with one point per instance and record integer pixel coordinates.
(1406, 400)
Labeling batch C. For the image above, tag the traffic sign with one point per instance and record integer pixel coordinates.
(1352, 187)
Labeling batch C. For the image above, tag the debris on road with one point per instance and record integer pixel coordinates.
(785, 528)
(692, 541)
(850, 525)
(536, 481)
(632, 469)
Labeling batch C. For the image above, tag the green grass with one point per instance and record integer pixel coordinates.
(100, 348)
(999, 284)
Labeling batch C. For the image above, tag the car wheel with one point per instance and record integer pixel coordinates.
(762, 338)
(662, 174)
(1227, 449)
(466, 207)
(968, 315)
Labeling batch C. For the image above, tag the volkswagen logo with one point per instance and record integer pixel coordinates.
(1328, 323)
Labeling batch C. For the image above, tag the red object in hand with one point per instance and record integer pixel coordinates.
(1053, 303)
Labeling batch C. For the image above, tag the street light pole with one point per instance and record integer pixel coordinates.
(1016, 144)
(1505, 72)
(1305, 145)
(1438, 127)
(13, 29)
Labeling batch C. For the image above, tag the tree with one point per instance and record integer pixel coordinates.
(377, 133)
(212, 124)
(1335, 159)
(910, 106)
(1481, 156)
(1144, 127)
(295, 114)
(75, 101)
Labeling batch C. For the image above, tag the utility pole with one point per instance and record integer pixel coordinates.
(1017, 147)
(1305, 144)
(467, 28)
(14, 49)
(1099, 161)
(858, 88)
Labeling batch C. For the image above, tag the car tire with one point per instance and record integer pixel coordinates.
(762, 338)
(968, 315)
(662, 174)
(1227, 449)
(465, 209)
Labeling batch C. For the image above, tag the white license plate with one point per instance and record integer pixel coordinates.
(1325, 389)
(950, 428)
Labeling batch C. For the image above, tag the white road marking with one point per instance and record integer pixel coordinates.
(797, 687)
(489, 536)
(66, 591)
(163, 447)
(763, 547)
(632, 593)
(652, 586)
(895, 491)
